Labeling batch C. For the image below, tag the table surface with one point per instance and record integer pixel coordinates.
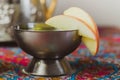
(104, 66)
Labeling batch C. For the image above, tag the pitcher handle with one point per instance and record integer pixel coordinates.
(48, 10)
(51, 8)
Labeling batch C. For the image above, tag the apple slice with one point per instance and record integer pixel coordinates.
(83, 15)
(64, 22)
(91, 44)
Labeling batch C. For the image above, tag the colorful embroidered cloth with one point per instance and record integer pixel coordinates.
(104, 66)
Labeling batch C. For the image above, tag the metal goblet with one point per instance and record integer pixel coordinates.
(48, 48)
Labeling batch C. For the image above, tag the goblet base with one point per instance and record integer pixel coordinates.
(48, 67)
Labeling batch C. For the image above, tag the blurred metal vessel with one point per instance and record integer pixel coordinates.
(14, 12)
(7, 11)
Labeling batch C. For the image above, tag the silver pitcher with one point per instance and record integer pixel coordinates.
(14, 12)
(35, 10)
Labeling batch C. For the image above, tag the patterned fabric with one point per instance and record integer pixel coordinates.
(104, 66)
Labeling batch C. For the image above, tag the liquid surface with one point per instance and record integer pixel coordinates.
(36, 27)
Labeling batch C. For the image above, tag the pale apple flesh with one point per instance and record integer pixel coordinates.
(84, 16)
(79, 13)
(91, 44)
(69, 23)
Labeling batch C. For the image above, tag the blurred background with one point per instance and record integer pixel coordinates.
(106, 13)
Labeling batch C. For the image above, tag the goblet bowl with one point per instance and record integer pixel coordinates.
(48, 48)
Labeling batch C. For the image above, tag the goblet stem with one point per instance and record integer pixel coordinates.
(48, 67)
